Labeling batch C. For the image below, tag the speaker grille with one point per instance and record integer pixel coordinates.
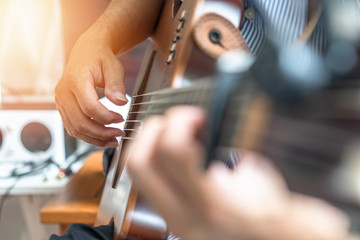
(36, 137)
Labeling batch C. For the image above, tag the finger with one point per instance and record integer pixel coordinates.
(108, 134)
(141, 167)
(80, 123)
(114, 76)
(64, 118)
(182, 127)
(93, 108)
(111, 142)
(85, 96)
(262, 166)
(182, 153)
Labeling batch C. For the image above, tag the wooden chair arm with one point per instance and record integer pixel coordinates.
(78, 202)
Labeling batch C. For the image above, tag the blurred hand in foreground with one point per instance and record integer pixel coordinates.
(249, 202)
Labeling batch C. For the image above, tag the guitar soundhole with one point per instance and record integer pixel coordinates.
(36, 137)
(176, 6)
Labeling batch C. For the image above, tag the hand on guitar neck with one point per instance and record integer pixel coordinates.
(220, 203)
(93, 63)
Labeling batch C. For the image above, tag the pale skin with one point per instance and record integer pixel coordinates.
(93, 63)
(250, 202)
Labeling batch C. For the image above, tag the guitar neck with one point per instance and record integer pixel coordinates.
(301, 141)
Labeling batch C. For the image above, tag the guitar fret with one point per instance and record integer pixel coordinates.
(198, 94)
(127, 138)
(134, 121)
(141, 103)
(137, 112)
(130, 129)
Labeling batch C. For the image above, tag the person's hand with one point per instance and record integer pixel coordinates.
(250, 202)
(92, 64)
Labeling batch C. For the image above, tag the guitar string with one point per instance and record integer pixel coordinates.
(166, 93)
(278, 153)
(158, 107)
(317, 152)
(155, 104)
(172, 97)
(314, 149)
(194, 88)
(317, 148)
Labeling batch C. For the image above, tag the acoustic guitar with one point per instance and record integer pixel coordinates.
(312, 141)
(170, 55)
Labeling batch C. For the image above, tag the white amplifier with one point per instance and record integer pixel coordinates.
(34, 135)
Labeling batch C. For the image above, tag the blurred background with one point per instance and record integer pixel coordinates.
(35, 39)
(31, 50)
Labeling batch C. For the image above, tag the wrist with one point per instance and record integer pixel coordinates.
(98, 35)
(124, 24)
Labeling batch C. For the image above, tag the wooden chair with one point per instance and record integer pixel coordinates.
(78, 202)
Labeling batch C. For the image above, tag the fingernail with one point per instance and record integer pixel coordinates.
(121, 96)
(119, 132)
(119, 120)
(112, 144)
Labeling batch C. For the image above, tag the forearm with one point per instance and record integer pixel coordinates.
(126, 23)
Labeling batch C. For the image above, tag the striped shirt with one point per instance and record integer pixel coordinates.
(282, 21)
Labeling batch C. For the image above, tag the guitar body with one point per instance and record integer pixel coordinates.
(171, 53)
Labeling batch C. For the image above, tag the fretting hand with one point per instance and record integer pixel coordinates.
(249, 202)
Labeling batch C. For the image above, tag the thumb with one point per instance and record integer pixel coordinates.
(114, 75)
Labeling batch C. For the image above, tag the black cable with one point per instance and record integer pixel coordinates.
(68, 170)
(34, 168)
(30, 167)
